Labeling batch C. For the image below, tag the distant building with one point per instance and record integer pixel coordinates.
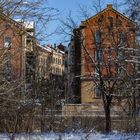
(43, 61)
(50, 75)
(58, 75)
(28, 25)
(58, 56)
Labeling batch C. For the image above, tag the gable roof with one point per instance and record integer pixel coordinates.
(2, 15)
(17, 24)
(109, 7)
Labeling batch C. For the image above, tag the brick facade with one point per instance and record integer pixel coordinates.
(105, 43)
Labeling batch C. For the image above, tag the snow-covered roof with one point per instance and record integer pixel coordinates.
(26, 24)
(29, 24)
(45, 48)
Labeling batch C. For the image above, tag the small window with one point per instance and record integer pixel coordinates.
(121, 36)
(97, 92)
(119, 23)
(54, 70)
(98, 55)
(56, 60)
(121, 71)
(100, 20)
(7, 42)
(53, 60)
(121, 55)
(98, 37)
(111, 22)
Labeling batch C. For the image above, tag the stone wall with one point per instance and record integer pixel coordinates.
(82, 109)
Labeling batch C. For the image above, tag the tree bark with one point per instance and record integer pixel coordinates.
(107, 118)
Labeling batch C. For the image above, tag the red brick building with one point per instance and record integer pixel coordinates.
(16, 47)
(102, 45)
(107, 38)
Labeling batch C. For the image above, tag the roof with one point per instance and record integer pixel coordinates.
(2, 15)
(20, 26)
(48, 49)
(109, 7)
(61, 47)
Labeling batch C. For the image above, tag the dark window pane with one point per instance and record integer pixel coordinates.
(98, 37)
(97, 92)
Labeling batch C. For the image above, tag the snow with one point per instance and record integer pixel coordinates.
(45, 48)
(73, 136)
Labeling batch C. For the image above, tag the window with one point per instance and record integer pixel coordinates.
(98, 37)
(121, 55)
(98, 55)
(56, 60)
(54, 70)
(53, 60)
(100, 20)
(60, 71)
(97, 92)
(7, 42)
(121, 71)
(57, 71)
(122, 36)
(111, 22)
(119, 23)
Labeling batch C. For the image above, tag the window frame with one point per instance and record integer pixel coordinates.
(9, 42)
(95, 92)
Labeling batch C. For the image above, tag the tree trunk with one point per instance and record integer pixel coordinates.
(107, 118)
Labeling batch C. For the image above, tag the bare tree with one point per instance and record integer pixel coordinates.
(18, 62)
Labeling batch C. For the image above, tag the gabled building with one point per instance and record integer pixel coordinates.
(103, 45)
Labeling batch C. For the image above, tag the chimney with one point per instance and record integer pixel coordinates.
(109, 6)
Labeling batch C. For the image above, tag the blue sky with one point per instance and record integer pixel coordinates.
(64, 7)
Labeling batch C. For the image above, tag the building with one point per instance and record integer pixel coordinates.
(43, 62)
(58, 54)
(50, 75)
(16, 51)
(58, 75)
(102, 46)
(74, 70)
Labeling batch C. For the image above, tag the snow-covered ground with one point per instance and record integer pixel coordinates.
(73, 136)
